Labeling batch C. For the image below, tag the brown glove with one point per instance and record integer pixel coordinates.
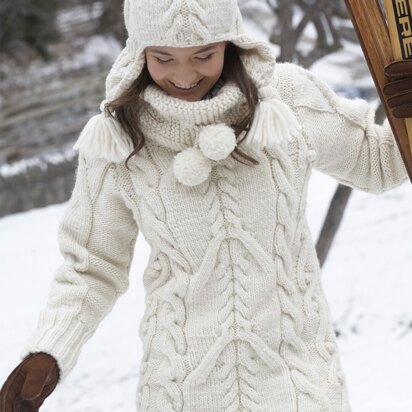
(398, 90)
(29, 384)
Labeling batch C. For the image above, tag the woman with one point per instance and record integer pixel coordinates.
(207, 152)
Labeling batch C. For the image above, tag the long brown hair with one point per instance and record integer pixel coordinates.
(124, 107)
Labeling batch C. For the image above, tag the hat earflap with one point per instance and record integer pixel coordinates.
(103, 136)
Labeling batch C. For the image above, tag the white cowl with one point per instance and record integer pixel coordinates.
(199, 131)
(236, 317)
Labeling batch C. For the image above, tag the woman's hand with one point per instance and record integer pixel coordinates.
(398, 90)
(29, 384)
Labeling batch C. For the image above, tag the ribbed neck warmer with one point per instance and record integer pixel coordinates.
(175, 123)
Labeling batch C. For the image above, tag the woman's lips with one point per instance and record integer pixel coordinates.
(185, 91)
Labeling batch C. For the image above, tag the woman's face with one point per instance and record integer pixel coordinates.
(171, 67)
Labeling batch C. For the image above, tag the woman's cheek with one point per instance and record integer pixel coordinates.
(213, 69)
(158, 72)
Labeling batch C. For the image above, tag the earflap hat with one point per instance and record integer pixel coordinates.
(188, 23)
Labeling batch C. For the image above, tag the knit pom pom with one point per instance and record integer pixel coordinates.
(103, 137)
(191, 167)
(217, 141)
(274, 121)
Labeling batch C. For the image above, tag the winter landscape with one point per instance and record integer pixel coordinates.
(367, 279)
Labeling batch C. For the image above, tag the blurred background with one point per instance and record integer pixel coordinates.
(54, 58)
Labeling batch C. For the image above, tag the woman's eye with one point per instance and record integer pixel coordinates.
(206, 58)
(200, 58)
(161, 61)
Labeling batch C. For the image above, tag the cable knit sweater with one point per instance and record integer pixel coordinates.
(236, 318)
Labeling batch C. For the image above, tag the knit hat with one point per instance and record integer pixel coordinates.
(188, 23)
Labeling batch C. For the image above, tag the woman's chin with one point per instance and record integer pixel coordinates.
(193, 97)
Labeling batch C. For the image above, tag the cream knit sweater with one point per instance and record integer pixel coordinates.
(236, 318)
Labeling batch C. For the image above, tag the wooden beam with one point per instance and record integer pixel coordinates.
(373, 33)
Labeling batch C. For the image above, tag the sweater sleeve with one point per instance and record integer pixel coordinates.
(96, 237)
(349, 146)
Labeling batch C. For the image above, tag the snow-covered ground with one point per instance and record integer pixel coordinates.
(367, 280)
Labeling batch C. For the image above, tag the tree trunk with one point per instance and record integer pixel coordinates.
(332, 221)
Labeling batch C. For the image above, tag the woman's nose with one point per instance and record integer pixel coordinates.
(186, 78)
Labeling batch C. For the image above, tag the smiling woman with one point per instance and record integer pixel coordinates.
(236, 316)
(188, 73)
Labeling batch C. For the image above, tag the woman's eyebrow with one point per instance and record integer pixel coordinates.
(168, 54)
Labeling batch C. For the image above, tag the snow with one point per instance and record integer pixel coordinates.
(42, 161)
(350, 67)
(78, 14)
(96, 50)
(366, 280)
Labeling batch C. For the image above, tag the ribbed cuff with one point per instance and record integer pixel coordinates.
(62, 338)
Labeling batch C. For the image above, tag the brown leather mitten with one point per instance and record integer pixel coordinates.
(398, 90)
(30, 383)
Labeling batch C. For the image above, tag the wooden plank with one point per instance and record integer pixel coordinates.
(373, 33)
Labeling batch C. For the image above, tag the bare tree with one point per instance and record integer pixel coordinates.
(28, 24)
(111, 21)
(288, 32)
